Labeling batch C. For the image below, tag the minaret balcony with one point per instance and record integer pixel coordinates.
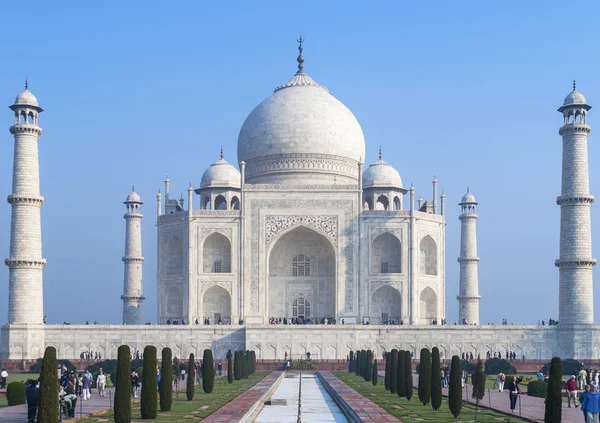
(29, 199)
(468, 297)
(26, 128)
(14, 263)
(467, 259)
(127, 259)
(574, 128)
(575, 263)
(575, 199)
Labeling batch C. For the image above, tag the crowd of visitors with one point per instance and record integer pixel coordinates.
(509, 355)
(90, 355)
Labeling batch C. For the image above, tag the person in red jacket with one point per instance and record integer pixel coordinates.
(571, 388)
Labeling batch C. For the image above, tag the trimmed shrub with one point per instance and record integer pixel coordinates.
(247, 363)
(229, 367)
(455, 387)
(569, 367)
(208, 372)
(408, 376)
(401, 371)
(436, 379)
(425, 376)
(478, 383)
(109, 366)
(123, 386)
(15, 393)
(537, 388)
(149, 384)
(394, 371)
(48, 391)
(237, 368)
(388, 366)
(467, 366)
(553, 412)
(166, 380)
(375, 375)
(37, 366)
(350, 357)
(493, 366)
(191, 377)
(369, 367)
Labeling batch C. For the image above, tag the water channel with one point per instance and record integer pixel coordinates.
(316, 405)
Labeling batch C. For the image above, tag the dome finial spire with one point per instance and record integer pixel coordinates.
(133, 188)
(300, 57)
(26, 84)
(467, 189)
(221, 152)
(574, 86)
(379, 152)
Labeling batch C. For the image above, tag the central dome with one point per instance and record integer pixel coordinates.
(301, 134)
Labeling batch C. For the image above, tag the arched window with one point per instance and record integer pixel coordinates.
(397, 205)
(301, 307)
(220, 203)
(386, 254)
(382, 203)
(235, 203)
(217, 254)
(301, 265)
(428, 260)
(206, 203)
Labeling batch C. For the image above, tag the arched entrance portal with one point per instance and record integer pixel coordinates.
(302, 276)
(216, 305)
(386, 305)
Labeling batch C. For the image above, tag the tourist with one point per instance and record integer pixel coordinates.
(80, 385)
(135, 383)
(220, 368)
(3, 377)
(182, 370)
(443, 376)
(85, 386)
(582, 378)
(32, 392)
(591, 405)
(540, 375)
(514, 391)
(584, 393)
(501, 380)
(571, 388)
(91, 379)
(101, 382)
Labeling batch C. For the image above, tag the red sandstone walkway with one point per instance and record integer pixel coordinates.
(365, 409)
(234, 410)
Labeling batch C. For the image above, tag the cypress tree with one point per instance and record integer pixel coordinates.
(247, 363)
(123, 388)
(388, 366)
(369, 366)
(191, 376)
(253, 361)
(365, 364)
(408, 375)
(237, 367)
(243, 363)
(375, 376)
(478, 384)
(425, 376)
(455, 387)
(436, 380)
(394, 371)
(401, 379)
(48, 391)
(229, 367)
(208, 371)
(350, 356)
(357, 363)
(166, 380)
(553, 412)
(149, 388)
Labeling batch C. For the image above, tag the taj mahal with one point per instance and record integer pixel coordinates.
(301, 229)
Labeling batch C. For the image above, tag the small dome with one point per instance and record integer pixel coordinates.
(26, 98)
(381, 174)
(221, 174)
(574, 97)
(468, 198)
(133, 197)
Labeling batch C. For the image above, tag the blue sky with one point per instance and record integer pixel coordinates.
(467, 91)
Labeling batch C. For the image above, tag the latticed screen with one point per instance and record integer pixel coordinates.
(217, 266)
(385, 267)
(301, 265)
(301, 307)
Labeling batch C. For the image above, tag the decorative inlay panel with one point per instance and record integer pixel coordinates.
(375, 232)
(346, 236)
(378, 284)
(204, 232)
(328, 225)
(205, 285)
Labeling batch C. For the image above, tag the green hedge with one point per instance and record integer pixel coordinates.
(569, 367)
(493, 366)
(537, 388)
(15, 393)
(37, 366)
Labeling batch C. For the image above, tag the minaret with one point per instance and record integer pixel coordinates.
(132, 284)
(25, 262)
(468, 298)
(576, 299)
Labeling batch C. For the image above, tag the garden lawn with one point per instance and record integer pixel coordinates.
(18, 377)
(413, 411)
(184, 411)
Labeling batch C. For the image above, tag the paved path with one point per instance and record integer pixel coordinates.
(235, 409)
(367, 410)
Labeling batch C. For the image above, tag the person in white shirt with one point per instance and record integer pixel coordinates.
(101, 382)
(3, 377)
(501, 380)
